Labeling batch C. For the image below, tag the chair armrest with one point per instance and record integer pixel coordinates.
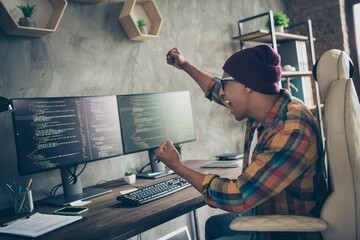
(278, 223)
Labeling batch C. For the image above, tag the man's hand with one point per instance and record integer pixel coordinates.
(175, 58)
(168, 155)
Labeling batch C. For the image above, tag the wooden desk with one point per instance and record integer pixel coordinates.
(108, 218)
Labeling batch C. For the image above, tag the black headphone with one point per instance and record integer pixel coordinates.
(351, 72)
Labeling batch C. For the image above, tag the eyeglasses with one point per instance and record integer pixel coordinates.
(226, 79)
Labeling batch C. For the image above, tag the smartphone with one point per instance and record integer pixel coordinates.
(71, 210)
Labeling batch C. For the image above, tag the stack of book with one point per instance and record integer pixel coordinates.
(226, 160)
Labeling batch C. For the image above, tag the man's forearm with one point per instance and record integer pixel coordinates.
(193, 177)
(202, 78)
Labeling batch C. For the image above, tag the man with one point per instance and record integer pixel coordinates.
(282, 165)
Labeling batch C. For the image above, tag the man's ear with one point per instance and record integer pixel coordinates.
(247, 89)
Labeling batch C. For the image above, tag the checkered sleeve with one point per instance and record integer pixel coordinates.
(284, 158)
(213, 90)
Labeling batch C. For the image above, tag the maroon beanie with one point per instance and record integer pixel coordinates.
(256, 67)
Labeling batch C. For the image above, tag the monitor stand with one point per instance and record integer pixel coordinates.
(158, 168)
(73, 191)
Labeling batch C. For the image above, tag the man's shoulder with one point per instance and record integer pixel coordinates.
(298, 116)
(296, 106)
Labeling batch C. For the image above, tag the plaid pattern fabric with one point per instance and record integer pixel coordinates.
(285, 176)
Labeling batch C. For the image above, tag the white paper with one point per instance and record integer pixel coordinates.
(38, 224)
(79, 203)
(123, 192)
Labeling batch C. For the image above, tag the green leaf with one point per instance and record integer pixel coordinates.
(129, 172)
(27, 10)
(178, 148)
(280, 19)
(141, 23)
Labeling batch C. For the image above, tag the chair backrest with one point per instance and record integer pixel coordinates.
(341, 210)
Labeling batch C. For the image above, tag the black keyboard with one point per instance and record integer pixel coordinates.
(153, 192)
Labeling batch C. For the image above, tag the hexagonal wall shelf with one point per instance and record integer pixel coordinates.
(135, 10)
(47, 17)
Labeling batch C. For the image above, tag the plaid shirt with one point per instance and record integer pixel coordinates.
(285, 176)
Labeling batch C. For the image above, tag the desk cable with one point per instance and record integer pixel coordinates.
(72, 179)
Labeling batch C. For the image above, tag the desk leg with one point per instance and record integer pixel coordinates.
(196, 225)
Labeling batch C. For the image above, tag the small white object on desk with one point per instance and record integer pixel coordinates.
(123, 192)
(79, 203)
(130, 179)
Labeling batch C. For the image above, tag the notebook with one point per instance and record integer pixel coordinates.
(223, 164)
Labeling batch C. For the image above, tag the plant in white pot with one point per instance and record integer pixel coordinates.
(27, 10)
(142, 26)
(130, 177)
(281, 21)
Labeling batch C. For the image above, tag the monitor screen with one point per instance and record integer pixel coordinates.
(147, 120)
(58, 132)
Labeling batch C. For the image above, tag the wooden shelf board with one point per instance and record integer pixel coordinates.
(144, 37)
(295, 74)
(314, 107)
(263, 35)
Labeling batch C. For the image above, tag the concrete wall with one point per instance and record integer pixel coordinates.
(89, 54)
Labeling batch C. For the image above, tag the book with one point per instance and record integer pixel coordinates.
(37, 224)
(223, 164)
(229, 156)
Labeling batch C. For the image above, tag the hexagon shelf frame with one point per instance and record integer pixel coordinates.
(49, 23)
(132, 11)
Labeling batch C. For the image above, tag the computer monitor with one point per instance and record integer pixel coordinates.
(60, 133)
(147, 120)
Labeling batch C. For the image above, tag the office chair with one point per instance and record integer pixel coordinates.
(340, 214)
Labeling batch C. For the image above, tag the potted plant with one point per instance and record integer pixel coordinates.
(27, 10)
(281, 21)
(130, 177)
(142, 26)
(178, 148)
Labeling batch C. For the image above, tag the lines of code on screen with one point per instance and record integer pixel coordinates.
(147, 120)
(56, 132)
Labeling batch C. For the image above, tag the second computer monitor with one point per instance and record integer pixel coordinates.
(147, 120)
